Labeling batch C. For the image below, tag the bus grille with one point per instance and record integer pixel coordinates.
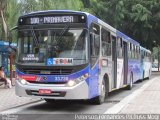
(50, 72)
(36, 82)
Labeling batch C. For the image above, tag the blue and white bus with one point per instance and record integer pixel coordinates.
(146, 63)
(73, 55)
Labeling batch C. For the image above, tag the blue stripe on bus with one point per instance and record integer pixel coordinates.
(134, 66)
(93, 81)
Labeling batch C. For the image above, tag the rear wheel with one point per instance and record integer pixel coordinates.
(101, 98)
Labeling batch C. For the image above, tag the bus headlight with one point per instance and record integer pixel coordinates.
(71, 83)
(23, 82)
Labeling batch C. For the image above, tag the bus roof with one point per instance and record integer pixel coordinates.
(144, 49)
(54, 11)
(127, 38)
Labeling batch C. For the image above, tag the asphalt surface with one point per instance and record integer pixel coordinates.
(68, 110)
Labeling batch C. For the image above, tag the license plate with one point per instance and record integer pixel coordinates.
(45, 91)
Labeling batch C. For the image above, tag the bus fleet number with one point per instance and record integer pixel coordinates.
(61, 78)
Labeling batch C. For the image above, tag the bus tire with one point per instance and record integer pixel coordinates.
(129, 87)
(49, 100)
(101, 98)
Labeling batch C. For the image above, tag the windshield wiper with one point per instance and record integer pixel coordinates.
(34, 36)
(65, 29)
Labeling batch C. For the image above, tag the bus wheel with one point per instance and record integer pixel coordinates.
(101, 98)
(129, 87)
(49, 100)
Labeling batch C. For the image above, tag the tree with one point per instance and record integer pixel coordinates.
(139, 19)
(4, 27)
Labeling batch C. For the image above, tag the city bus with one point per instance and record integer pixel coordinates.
(146, 63)
(73, 55)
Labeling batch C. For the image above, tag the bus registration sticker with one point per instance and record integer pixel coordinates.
(60, 61)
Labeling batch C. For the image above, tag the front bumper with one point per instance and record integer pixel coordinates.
(79, 91)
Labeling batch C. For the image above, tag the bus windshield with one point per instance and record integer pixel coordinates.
(59, 46)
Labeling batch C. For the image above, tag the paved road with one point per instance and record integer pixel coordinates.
(42, 109)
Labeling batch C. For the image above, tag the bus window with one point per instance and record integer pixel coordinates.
(137, 53)
(131, 48)
(106, 44)
(95, 43)
(129, 51)
(132, 51)
(119, 48)
(27, 42)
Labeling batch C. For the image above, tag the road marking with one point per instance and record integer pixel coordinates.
(18, 109)
(125, 102)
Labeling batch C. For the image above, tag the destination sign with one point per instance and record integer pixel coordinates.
(49, 20)
(52, 19)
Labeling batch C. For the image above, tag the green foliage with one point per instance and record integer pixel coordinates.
(139, 19)
(12, 13)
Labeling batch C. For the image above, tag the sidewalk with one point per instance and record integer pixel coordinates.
(8, 99)
(147, 102)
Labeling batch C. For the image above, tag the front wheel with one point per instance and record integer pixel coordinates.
(101, 98)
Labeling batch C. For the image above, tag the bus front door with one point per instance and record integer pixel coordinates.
(114, 62)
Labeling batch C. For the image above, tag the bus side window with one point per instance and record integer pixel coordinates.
(94, 43)
(137, 52)
(129, 51)
(119, 47)
(133, 51)
(106, 44)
